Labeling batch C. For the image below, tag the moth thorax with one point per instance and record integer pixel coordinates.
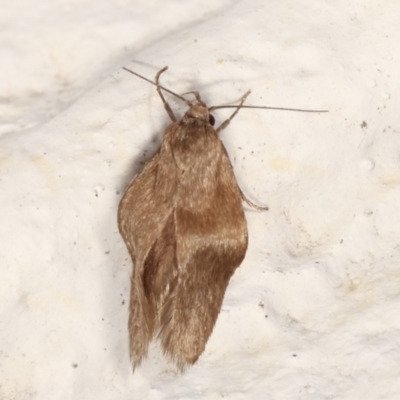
(198, 111)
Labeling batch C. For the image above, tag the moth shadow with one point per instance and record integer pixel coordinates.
(143, 155)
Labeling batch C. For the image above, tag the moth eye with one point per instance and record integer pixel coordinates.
(211, 120)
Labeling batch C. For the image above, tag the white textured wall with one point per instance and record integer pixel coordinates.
(312, 313)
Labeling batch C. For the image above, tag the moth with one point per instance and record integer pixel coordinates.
(183, 223)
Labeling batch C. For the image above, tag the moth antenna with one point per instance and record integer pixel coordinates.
(155, 84)
(195, 93)
(271, 108)
(238, 107)
(213, 107)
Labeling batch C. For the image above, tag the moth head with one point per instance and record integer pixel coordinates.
(199, 110)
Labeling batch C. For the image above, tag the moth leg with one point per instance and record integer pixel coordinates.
(242, 195)
(226, 122)
(251, 204)
(167, 107)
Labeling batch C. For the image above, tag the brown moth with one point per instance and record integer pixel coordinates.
(184, 226)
